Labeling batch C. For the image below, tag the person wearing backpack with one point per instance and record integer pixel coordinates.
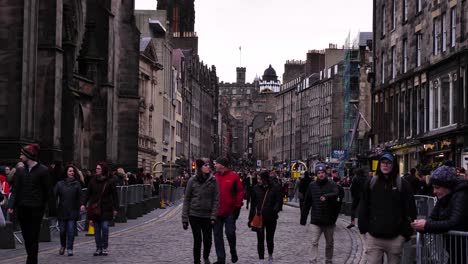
(266, 202)
(386, 211)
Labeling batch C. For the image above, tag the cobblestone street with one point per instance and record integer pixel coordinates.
(159, 238)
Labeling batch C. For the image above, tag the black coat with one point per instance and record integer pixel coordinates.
(321, 213)
(273, 202)
(32, 188)
(304, 186)
(385, 211)
(357, 186)
(109, 199)
(450, 212)
(69, 195)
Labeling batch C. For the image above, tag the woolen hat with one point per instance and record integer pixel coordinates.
(223, 161)
(444, 176)
(320, 167)
(200, 162)
(31, 151)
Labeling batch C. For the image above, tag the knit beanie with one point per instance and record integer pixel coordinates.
(223, 161)
(320, 167)
(444, 176)
(200, 162)
(31, 151)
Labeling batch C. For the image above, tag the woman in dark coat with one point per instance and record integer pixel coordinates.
(102, 191)
(272, 195)
(450, 212)
(68, 197)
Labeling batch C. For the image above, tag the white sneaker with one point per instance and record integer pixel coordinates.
(270, 259)
(261, 262)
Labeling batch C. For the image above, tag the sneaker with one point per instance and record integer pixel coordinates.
(270, 259)
(220, 261)
(206, 261)
(350, 226)
(62, 251)
(105, 252)
(70, 252)
(98, 252)
(261, 261)
(234, 257)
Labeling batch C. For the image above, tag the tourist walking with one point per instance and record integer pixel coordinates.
(102, 204)
(231, 194)
(68, 197)
(265, 202)
(29, 198)
(201, 204)
(387, 208)
(320, 201)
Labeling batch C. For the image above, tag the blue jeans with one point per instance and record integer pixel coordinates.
(230, 223)
(101, 234)
(67, 233)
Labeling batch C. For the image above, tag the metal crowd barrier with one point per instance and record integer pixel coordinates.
(170, 194)
(424, 205)
(347, 195)
(448, 248)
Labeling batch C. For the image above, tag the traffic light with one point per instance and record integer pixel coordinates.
(294, 167)
(193, 167)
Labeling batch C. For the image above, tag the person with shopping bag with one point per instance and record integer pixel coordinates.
(263, 216)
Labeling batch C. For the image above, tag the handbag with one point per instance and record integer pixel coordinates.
(257, 221)
(94, 210)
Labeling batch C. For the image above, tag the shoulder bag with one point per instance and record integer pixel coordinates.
(94, 210)
(257, 221)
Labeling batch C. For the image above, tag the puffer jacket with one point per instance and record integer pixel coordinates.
(68, 194)
(201, 198)
(108, 198)
(32, 188)
(450, 212)
(321, 213)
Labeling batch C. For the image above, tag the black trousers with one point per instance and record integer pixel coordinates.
(30, 219)
(269, 227)
(202, 231)
(354, 207)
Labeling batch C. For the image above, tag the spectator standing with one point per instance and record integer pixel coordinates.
(386, 211)
(103, 193)
(266, 201)
(201, 204)
(231, 194)
(320, 201)
(449, 213)
(29, 198)
(68, 197)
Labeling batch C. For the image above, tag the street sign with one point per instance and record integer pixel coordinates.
(259, 163)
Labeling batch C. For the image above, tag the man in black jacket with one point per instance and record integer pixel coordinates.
(303, 187)
(357, 186)
(30, 197)
(321, 200)
(386, 211)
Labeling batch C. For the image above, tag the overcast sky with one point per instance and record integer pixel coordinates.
(270, 31)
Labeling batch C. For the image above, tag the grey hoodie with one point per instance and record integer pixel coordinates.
(201, 199)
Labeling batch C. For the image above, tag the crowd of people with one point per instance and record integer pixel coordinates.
(383, 204)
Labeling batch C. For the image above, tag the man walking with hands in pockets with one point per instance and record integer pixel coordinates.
(231, 194)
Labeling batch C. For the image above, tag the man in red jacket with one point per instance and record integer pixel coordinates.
(231, 194)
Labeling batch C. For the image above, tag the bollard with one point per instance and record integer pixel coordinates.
(44, 235)
(7, 238)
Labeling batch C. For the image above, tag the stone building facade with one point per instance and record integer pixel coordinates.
(420, 93)
(69, 80)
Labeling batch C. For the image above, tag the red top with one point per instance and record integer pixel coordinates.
(4, 184)
(231, 192)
